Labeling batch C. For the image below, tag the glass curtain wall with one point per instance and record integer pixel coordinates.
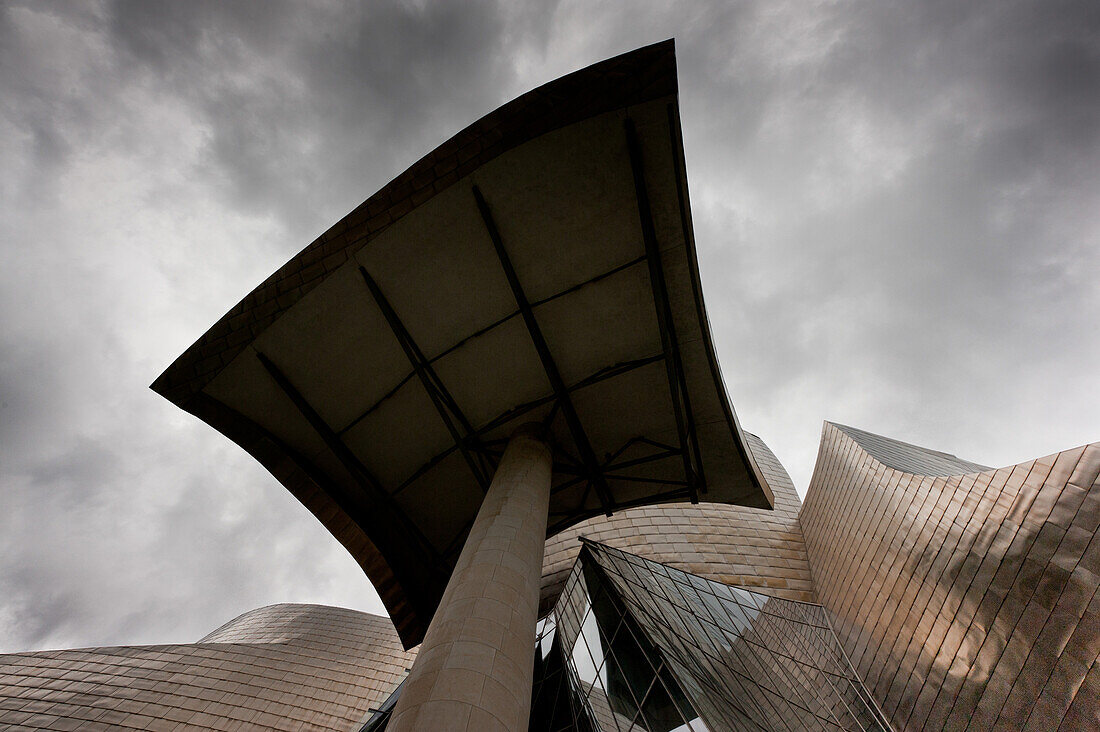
(648, 647)
(636, 646)
(617, 676)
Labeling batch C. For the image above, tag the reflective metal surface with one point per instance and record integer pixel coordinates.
(965, 601)
(281, 667)
(756, 548)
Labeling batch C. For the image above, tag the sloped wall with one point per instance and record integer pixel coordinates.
(965, 601)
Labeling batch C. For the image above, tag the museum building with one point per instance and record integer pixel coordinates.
(494, 383)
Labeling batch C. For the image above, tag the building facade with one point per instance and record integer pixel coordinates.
(965, 596)
(494, 383)
(962, 597)
(279, 667)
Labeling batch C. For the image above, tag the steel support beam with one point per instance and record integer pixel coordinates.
(482, 331)
(352, 464)
(516, 412)
(561, 392)
(463, 433)
(674, 368)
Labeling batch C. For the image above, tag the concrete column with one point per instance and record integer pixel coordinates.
(474, 668)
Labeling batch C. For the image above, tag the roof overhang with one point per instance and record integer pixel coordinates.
(539, 266)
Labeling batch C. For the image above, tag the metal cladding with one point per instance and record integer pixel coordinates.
(964, 600)
(279, 667)
(539, 266)
(749, 547)
(965, 597)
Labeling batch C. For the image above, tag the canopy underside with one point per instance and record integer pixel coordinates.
(554, 281)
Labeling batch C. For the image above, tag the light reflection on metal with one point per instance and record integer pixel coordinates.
(965, 596)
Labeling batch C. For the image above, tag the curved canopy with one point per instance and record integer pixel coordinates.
(539, 266)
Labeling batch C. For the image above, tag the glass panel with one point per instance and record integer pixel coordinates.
(634, 672)
(587, 655)
(661, 714)
(546, 634)
(728, 658)
(552, 704)
(620, 692)
(605, 716)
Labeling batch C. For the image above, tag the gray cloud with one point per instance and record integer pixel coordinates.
(895, 206)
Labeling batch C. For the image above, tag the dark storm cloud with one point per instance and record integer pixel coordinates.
(896, 221)
(895, 206)
(308, 107)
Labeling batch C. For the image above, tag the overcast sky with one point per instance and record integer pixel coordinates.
(896, 206)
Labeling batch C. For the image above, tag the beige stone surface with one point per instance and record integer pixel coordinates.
(475, 666)
(283, 667)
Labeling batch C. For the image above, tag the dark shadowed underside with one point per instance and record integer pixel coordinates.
(539, 266)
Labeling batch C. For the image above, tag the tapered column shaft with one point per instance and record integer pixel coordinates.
(474, 668)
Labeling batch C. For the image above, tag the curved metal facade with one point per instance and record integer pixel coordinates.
(282, 667)
(966, 598)
(755, 548)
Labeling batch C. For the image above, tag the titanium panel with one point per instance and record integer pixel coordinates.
(966, 599)
(282, 667)
(754, 548)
